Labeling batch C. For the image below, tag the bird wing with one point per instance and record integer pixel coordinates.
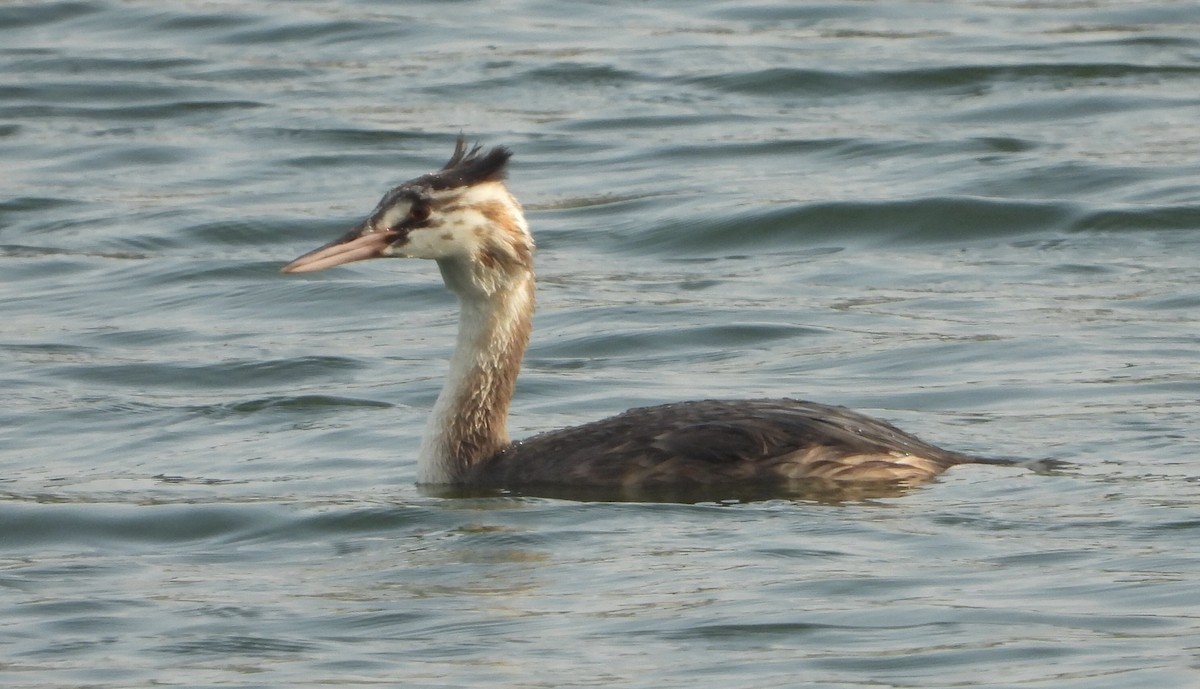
(711, 441)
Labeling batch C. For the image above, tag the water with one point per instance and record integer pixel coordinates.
(979, 220)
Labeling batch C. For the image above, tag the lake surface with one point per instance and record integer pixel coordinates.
(979, 220)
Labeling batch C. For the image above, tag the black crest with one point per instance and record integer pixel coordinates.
(467, 167)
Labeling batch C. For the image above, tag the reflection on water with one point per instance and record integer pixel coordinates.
(812, 490)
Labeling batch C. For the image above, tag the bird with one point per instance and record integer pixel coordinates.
(463, 217)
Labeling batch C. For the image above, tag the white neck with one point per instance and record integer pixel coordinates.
(470, 418)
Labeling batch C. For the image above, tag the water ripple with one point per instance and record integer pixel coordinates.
(974, 219)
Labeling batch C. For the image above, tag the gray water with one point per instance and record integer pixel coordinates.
(979, 220)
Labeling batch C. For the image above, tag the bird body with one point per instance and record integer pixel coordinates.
(464, 218)
(711, 442)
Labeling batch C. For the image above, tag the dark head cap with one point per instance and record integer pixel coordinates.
(468, 167)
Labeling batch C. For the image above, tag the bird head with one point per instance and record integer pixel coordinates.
(459, 215)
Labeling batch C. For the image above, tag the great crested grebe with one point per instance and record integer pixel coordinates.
(463, 217)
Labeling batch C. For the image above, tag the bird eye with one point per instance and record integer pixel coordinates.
(419, 213)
